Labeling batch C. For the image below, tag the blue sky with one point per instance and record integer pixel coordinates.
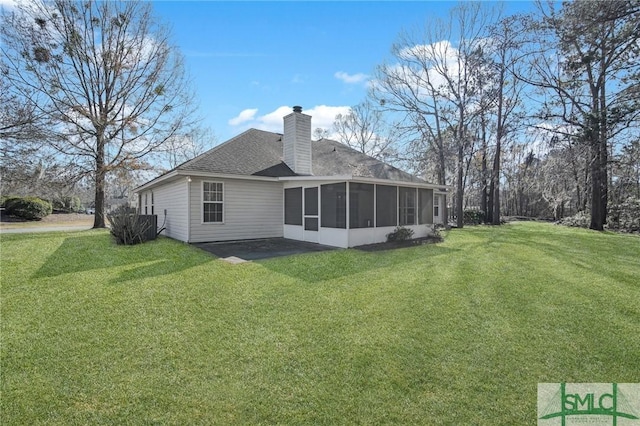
(251, 61)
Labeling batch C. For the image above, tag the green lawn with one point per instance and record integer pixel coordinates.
(455, 333)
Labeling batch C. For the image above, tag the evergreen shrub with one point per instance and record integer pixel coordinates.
(30, 208)
(473, 217)
(400, 234)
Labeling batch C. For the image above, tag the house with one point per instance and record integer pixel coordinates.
(262, 184)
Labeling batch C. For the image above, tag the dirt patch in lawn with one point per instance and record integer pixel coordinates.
(400, 244)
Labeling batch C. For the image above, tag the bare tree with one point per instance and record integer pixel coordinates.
(507, 92)
(184, 147)
(363, 128)
(321, 133)
(434, 84)
(27, 165)
(554, 182)
(584, 58)
(19, 123)
(104, 73)
(22, 129)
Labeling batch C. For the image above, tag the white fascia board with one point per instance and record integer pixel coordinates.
(308, 178)
(176, 173)
(228, 176)
(154, 182)
(352, 178)
(401, 183)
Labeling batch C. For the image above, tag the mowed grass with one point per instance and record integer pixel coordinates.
(454, 333)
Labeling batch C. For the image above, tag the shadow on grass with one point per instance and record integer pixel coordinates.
(98, 252)
(160, 267)
(325, 266)
(24, 236)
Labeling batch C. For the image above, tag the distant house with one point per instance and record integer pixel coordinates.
(262, 184)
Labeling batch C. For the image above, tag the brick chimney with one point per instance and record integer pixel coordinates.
(296, 142)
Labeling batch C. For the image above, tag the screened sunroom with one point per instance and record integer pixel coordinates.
(357, 211)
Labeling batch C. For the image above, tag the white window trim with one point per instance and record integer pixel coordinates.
(212, 202)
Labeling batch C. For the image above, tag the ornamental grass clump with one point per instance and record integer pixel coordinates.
(126, 226)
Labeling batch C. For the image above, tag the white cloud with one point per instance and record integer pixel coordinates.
(244, 116)
(272, 121)
(425, 70)
(321, 116)
(8, 4)
(351, 78)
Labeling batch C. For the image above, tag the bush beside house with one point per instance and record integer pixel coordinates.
(400, 234)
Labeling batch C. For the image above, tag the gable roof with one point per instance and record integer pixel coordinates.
(259, 153)
(252, 153)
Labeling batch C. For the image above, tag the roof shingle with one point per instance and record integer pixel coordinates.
(259, 153)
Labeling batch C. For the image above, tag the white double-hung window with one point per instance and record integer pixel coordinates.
(212, 202)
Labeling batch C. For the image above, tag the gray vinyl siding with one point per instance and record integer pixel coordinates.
(172, 196)
(252, 209)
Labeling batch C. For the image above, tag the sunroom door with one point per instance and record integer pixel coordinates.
(311, 220)
(437, 209)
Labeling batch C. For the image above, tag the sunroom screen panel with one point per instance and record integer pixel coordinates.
(333, 205)
(386, 205)
(361, 205)
(293, 206)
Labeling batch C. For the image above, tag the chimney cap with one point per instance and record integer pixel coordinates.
(297, 108)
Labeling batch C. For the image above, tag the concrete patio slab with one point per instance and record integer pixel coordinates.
(261, 249)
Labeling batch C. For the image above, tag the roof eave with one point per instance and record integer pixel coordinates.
(193, 173)
(228, 176)
(427, 185)
(311, 178)
(440, 188)
(156, 181)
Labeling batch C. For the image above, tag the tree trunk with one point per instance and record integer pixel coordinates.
(598, 143)
(596, 190)
(459, 188)
(495, 172)
(483, 192)
(442, 179)
(496, 204)
(495, 186)
(604, 154)
(98, 221)
(486, 196)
